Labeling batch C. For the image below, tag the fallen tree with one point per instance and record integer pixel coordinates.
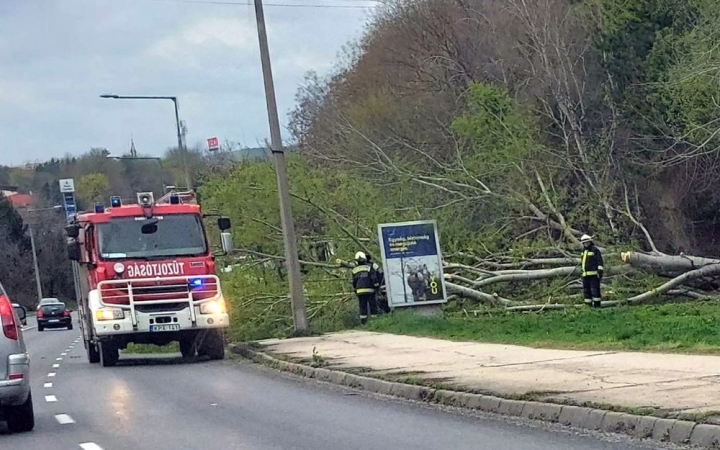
(471, 278)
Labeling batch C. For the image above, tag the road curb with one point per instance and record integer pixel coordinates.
(644, 427)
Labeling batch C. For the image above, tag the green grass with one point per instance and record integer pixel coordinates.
(172, 347)
(687, 328)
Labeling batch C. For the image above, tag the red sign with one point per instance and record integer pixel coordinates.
(213, 144)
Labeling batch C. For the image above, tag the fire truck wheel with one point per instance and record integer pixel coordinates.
(92, 352)
(109, 354)
(213, 345)
(188, 347)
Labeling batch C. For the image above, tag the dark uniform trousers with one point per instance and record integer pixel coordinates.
(368, 305)
(591, 287)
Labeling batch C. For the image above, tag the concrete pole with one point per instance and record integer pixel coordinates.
(292, 263)
(35, 263)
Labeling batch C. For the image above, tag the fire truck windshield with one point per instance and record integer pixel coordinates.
(171, 235)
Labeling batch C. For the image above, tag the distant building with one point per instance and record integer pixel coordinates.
(16, 199)
(257, 153)
(252, 154)
(21, 200)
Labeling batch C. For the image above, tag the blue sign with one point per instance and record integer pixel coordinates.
(70, 206)
(412, 263)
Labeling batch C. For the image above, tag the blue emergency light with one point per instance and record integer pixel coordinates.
(174, 199)
(115, 201)
(197, 282)
(99, 208)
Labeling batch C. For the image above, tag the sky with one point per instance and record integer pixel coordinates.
(58, 56)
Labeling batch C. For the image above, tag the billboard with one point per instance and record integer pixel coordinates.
(412, 263)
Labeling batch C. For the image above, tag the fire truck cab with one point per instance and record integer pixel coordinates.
(145, 273)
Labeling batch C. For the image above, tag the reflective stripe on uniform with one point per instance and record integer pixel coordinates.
(601, 268)
(359, 269)
(365, 291)
(590, 273)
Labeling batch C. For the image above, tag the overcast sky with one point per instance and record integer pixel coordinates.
(57, 56)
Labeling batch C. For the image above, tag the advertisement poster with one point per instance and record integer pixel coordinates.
(412, 263)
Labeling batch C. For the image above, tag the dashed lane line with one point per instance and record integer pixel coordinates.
(47, 385)
(51, 374)
(64, 419)
(55, 366)
(50, 398)
(90, 446)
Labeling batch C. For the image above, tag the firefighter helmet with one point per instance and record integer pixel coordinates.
(585, 238)
(360, 256)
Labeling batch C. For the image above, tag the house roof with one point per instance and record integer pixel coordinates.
(20, 200)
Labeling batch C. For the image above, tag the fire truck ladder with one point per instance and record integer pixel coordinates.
(187, 197)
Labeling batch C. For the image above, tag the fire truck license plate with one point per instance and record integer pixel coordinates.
(169, 327)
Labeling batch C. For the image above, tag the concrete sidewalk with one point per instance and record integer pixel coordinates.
(678, 383)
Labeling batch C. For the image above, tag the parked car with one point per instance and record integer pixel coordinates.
(21, 313)
(16, 404)
(53, 315)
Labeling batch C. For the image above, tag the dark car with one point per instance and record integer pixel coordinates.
(54, 315)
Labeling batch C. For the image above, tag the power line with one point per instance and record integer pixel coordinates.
(283, 5)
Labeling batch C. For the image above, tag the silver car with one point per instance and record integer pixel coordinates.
(16, 405)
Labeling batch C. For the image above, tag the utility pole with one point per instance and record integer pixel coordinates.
(292, 263)
(35, 263)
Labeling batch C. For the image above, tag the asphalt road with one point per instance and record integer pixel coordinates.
(155, 403)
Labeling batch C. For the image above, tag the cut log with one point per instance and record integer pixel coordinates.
(667, 263)
(463, 291)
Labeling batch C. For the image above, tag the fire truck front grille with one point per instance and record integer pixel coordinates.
(166, 307)
(159, 293)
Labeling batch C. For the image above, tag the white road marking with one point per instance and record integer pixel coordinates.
(50, 398)
(90, 446)
(64, 419)
(63, 354)
(29, 328)
(55, 366)
(51, 374)
(58, 359)
(47, 385)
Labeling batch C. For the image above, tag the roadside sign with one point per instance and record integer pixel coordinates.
(67, 185)
(412, 263)
(69, 200)
(213, 144)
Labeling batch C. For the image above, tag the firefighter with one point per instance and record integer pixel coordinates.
(591, 265)
(364, 280)
(381, 298)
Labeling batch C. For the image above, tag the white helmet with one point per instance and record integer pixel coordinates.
(360, 256)
(585, 238)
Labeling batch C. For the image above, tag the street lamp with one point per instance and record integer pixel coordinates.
(181, 147)
(38, 284)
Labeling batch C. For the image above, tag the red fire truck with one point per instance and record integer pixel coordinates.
(145, 273)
